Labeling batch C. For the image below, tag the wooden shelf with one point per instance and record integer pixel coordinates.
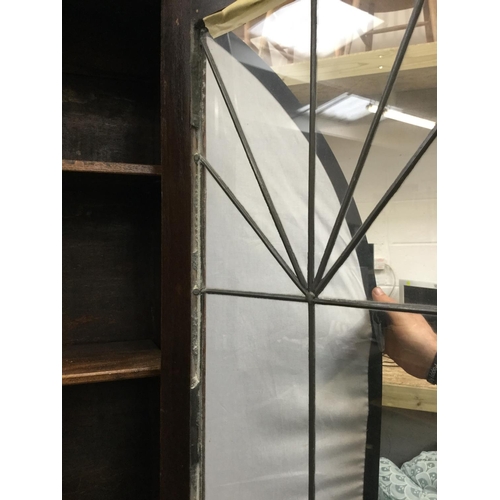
(400, 390)
(363, 73)
(110, 168)
(90, 363)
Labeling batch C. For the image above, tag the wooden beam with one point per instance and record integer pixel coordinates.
(360, 64)
(364, 73)
(409, 398)
(401, 390)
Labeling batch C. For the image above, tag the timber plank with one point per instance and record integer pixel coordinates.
(401, 390)
(364, 73)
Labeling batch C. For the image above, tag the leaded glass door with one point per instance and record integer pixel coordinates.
(286, 344)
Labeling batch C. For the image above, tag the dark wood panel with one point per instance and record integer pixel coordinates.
(111, 38)
(177, 165)
(110, 441)
(110, 168)
(110, 120)
(90, 363)
(110, 258)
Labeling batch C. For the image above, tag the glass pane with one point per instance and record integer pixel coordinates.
(224, 148)
(256, 420)
(280, 149)
(236, 257)
(343, 340)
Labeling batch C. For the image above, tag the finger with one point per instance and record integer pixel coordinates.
(398, 318)
(379, 295)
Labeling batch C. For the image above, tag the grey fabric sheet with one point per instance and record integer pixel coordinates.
(257, 350)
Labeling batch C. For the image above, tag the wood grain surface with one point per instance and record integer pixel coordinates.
(110, 258)
(110, 120)
(89, 363)
(109, 167)
(177, 163)
(364, 73)
(401, 390)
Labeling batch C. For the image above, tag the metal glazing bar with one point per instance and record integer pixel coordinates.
(312, 144)
(312, 400)
(250, 220)
(369, 139)
(253, 163)
(310, 249)
(356, 304)
(378, 306)
(378, 208)
(253, 295)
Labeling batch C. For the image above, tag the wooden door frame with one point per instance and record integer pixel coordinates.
(178, 18)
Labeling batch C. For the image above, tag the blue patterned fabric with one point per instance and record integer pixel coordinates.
(416, 480)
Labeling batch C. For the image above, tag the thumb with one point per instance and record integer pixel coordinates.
(396, 317)
(379, 296)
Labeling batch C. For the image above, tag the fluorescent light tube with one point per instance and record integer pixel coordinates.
(394, 114)
(345, 107)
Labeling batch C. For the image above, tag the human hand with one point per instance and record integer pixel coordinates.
(409, 339)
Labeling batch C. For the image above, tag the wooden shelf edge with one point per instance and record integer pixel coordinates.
(108, 376)
(409, 397)
(363, 73)
(110, 167)
(91, 363)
